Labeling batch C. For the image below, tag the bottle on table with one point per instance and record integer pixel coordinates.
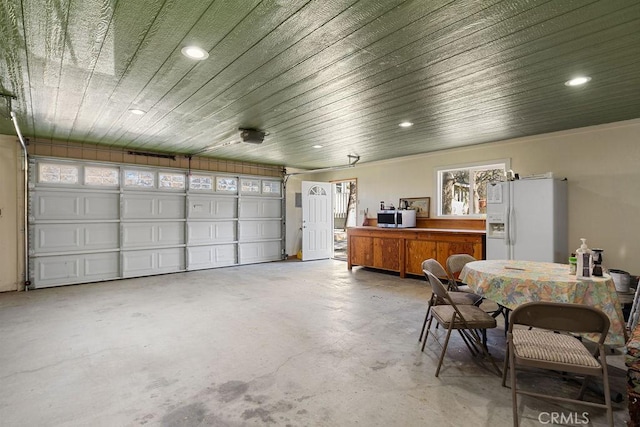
(573, 264)
(585, 260)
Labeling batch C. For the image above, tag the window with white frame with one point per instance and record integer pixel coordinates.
(56, 173)
(229, 184)
(175, 181)
(139, 178)
(200, 182)
(250, 186)
(102, 176)
(271, 187)
(462, 189)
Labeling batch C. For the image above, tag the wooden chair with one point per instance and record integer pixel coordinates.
(544, 348)
(460, 298)
(466, 319)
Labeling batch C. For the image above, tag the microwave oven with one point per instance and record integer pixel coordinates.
(392, 218)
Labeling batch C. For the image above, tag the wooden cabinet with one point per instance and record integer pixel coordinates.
(387, 253)
(403, 250)
(361, 250)
(418, 251)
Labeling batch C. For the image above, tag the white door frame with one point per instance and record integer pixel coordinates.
(317, 220)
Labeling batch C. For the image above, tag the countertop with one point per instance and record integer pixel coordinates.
(430, 230)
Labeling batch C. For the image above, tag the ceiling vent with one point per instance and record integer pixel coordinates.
(252, 136)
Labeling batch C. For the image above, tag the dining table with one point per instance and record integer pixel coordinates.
(511, 283)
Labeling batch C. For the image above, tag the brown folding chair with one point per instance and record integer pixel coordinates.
(460, 298)
(466, 319)
(455, 264)
(544, 347)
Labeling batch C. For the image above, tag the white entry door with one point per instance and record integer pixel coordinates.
(317, 238)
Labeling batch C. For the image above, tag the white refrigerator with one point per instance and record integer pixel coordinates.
(527, 220)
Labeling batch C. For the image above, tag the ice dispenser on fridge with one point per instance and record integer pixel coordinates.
(496, 226)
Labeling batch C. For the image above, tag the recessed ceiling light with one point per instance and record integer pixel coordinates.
(577, 81)
(405, 124)
(317, 146)
(195, 52)
(137, 111)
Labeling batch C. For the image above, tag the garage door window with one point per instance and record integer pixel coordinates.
(143, 179)
(175, 181)
(200, 182)
(103, 176)
(52, 173)
(227, 184)
(271, 187)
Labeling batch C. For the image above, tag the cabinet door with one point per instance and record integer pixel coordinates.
(386, 253)
(445, 249)
(361, 250)
(418, 251)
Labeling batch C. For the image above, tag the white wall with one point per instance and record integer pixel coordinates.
(10, 214)
(602, 164)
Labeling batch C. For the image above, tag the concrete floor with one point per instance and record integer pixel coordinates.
(287, 343)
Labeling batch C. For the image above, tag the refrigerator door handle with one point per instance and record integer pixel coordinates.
(512, 228)
(506, 225)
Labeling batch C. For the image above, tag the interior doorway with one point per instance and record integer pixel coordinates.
(316, 220)
(344, 214)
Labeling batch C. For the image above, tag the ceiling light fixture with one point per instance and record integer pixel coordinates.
(405, 124)
(137, 111)
(317, 146)
(577, 81)
(195, 52)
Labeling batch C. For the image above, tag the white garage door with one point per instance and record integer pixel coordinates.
(93, 222)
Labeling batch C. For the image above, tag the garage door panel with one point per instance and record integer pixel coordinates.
(138, 262)
(171, 207)
(50, 238)
(201, 257)
(101, 266)
(101, 236)
(69, 269)
(56, 268)
(152, 206)
(137, 235)
(56, 238)
(80, 206)
(171, 260)
(142, 234)
(136, 208)
(152, 261)
(102, 206)
(259, 252)
(260, 208)
(201, 233)
(210, 207)
(55, 206)
(258, 230)
(171, 234)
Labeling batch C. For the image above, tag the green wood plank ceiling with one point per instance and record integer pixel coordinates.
(338, 73)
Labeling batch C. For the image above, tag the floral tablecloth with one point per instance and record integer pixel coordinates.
(512, 283)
